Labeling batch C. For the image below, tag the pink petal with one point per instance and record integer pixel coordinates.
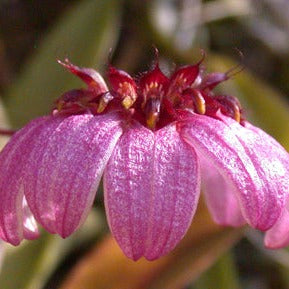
(216, 142)
(13, 159)
(272, 145)
(175, 194)
(221, 201)
(127, 186)
(41, 208)
(151, 191)
(271, 163)
(65, 170)
(278, 236)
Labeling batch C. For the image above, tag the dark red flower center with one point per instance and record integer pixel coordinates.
(154, 99)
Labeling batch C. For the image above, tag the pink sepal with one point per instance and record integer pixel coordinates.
(65, 167)
(13, 158)
(151, 191)
(215, 141)
(271, 163)
(220, 197)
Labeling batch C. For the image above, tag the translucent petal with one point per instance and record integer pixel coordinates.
(220, 197)
(13, 159)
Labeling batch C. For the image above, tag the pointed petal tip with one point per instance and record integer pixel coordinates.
(155, 256)
(31, 234)
(135, 258)
(90, 76)
(152, 258)
(65, 232)
(64, 235)
(128, 251)
(13, 242)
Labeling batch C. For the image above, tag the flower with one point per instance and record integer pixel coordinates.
(154, 139)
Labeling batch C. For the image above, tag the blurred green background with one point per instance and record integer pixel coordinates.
(34, 34)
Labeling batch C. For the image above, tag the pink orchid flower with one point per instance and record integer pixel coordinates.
(154, 139)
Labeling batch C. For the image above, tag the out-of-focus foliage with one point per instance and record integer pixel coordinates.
(33, 262)
(85, 31)
(84, 34)
(223, 272)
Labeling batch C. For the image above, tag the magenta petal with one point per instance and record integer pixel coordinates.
(151, 191)
(271, 163)
(67, 166)
(13, 159)
(127, 186)
(41, 207)
(216, 142)
(221, 201)
(272, 146)
(175, 192)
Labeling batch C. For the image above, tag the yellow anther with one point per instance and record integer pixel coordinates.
(154, 88)
(103, 102)
(153, 85)
(152, 120)
(199, 102)
(127, 102)
(101, 106)
(237, 113)
(128, 93)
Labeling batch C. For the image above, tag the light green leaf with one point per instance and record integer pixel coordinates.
(84, 34)
(21, 264)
